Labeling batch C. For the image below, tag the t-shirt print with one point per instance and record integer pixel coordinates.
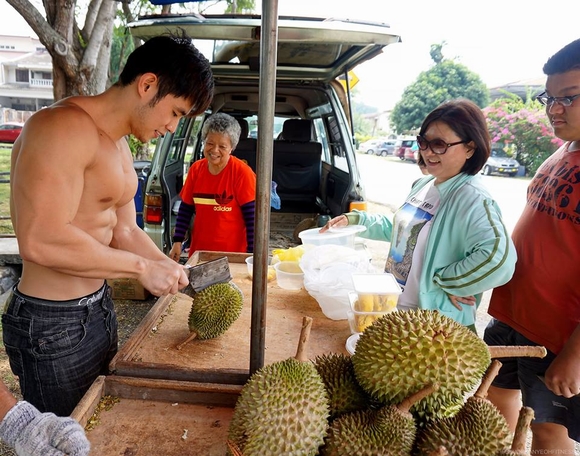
(409, 220)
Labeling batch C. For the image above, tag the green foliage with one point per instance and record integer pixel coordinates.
(5, 224)
(240, 6)
(446, 80)
(522, 130)
(121, 47)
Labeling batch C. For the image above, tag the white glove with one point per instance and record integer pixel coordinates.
(32, 433)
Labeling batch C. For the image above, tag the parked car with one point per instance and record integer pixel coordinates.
(371, 147)
(378, 147)
(315, 170)
(401, 145)
(10, 131)
(386, 148)
(500, 163)
(411, 153)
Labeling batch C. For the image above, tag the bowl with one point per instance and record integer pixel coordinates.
(289, 275)
(338, 236)
(250, 265)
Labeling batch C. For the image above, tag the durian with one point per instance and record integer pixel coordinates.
(388, 431)
(441, 451)
(518, 447)
(344, 392)
(213, 311)
(402, 351)
(478, 429)
(282, 409)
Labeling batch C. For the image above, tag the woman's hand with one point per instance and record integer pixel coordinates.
(175, 252)
(458, 301)
(336, 222)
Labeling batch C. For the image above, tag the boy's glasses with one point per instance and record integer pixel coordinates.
(438, 146)
(549, 101)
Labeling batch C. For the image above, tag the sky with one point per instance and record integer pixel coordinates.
(502, 41)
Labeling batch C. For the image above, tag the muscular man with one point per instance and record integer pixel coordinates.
(72, 208)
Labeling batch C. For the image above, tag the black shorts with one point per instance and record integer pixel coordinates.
(525, 374)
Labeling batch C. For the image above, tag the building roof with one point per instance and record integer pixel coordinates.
(520, 88)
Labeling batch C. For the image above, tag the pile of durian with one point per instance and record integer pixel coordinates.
(402, 393)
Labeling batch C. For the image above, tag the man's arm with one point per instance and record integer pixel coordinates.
(563, 375)
(61, 218)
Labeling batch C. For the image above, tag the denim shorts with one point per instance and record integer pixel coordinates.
(57, 349)
(524, 374)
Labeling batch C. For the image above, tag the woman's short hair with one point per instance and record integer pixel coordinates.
(466, 119)
(222, 123)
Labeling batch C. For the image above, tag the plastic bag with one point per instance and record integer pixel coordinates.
(275, 200)
(328, 271)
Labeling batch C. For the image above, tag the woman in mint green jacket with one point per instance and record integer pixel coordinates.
(448, 241)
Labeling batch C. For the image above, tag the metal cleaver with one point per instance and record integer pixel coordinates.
(203, 275)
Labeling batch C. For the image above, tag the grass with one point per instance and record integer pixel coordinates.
(5, 225)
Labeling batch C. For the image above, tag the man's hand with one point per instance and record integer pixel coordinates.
(32, 433)
(164, 277)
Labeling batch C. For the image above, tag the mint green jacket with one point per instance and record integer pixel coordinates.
(468, 251)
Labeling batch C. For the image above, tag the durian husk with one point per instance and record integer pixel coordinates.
(403, 351)
(388, 431)
(283, 408)
(345, 394)
(213, 310)
(478, 429)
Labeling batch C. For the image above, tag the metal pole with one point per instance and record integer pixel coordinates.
(268, 36)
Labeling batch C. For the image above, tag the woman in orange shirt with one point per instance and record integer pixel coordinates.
(220, 190)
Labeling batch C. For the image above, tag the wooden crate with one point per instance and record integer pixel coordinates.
(160, 417)
(151, 351)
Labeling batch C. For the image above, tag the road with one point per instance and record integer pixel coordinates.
(387, 182)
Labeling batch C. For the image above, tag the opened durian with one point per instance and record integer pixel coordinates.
(388, 431)
(213, 311)
(478, 429)
(282, 409)
(344, 392)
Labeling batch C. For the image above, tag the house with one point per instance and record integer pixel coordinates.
(25, 76)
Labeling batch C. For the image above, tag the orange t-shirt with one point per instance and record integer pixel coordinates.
(542, 300)
(219, 223)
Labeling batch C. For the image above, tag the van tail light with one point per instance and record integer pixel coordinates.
(153, 209)
(360, 205)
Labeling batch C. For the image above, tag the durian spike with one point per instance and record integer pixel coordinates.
(522, 427)
(191, 336)
(487, 379)
(303, 342)
(441, 451)
(508, 351)
(234, 449)
(407, 403)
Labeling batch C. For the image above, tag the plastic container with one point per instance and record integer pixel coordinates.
(360, 320)
(376, 292)
(338, 236)
(289, 275)
(250, 265)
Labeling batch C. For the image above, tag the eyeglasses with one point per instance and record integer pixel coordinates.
(438, 146)
(549, 101)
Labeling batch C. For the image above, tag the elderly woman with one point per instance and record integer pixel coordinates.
(448, 240)
(220, 190)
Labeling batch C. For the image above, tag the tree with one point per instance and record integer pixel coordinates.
(522, 129)
(446, 80)
(81, 55)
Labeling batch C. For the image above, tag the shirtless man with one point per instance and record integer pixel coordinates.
(72, 208)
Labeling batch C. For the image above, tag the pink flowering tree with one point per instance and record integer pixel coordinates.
(522, 130)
